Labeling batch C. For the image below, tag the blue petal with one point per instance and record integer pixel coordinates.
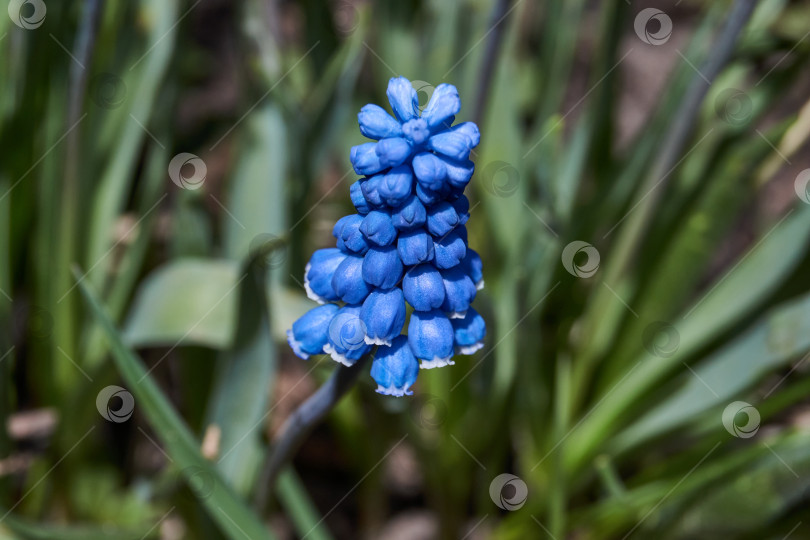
(403, 98)
(450, 251)
(393, 152)
(371, 190)
(415, 247)
(470, 130)
(428, 196)
(396, 186)
(444, 103)
(375, 123)
(430, 336)
(383, 314)
(430, 171)
(395, 368)
(309, 334)
(458, 172)
(462, 207)
(459, 292)
(318, 274)
(441, 219)
(348, 280)
(473, 267)
(469, 332)
(351, 239)
(364, 159)
(411, 214)
(353, 222)
(378, 229)
(416, 131)
(382, 267)
(358, 200)
(451, 144)
(423, 287)
(346, 336)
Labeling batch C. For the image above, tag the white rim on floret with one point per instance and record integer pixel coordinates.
(296, 345)
(312, 295)
(337, 357)
(437, 362)
(394, 390)
(469, 349)
(479, 285)
(457, 314)
(377, 341)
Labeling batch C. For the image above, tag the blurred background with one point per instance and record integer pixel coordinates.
(640, 204)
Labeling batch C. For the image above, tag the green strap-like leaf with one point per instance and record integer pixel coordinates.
(234, 518)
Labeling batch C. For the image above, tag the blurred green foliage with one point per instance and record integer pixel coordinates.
(606, 394)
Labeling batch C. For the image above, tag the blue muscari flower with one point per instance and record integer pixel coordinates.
(410, 215)
(423, 287)
(309, 334)
(383, 315)
(415, 247)
(395, 368)
(378, 229)
(407, 244)
(358, 200)
(318, 274)
(469, 332)
(346, 336)
(382, 267)
(348, 280)
(430, 335)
